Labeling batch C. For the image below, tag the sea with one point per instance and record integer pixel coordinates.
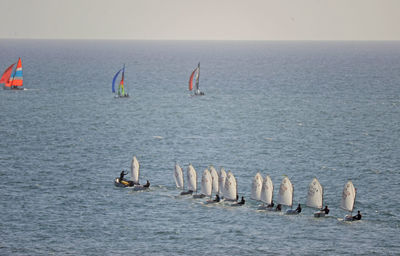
(301, 109)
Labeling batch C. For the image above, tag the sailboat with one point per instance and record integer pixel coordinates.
(285, 195)
(315, 197)
(13, 79)
(215, 182)
(197, 72)
(191, 180)
(267, 192)
(206, 185)
(230, 190)
(348, 199)
(121, 92)
(256, 187)
(178, 176)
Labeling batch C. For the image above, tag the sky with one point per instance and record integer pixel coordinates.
(201, 19)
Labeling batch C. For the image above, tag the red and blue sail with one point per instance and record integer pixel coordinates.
(115, 78)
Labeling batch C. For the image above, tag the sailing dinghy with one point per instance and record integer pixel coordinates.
(315, 197)
(267, 192)
(13, 79)
(348, 199)
(285, 195)
(191, 180)
(206, 185)
(121, 92)
(196, 72)
(214, 186)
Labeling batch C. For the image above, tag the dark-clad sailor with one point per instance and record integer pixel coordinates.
(326, 210)
(121, 176)
(147, 184)
(358, 216)
(271, 205)
(242, 201)
(298, 209)
(278, 208)
(216, 198)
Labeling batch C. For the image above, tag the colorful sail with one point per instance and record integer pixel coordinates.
(114, 79)
(5, 78)
(17, 78)
(191, 79)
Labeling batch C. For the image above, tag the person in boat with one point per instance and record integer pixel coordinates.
(147, 184)
(278, 208)
(217, 199)
(121, 176)
(298, 209)
(271, 205)
(326, 210)
(358, 216)
(242, 201)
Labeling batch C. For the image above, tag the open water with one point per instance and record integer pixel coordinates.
(329, 110)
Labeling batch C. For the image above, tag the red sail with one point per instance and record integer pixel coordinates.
(6, 75)
(191, 80)
(18, 79)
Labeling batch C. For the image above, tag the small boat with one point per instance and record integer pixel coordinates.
(121, 92)
(267, 192)
(285, 195)
(206, 185)
(13, 79)
(315, 197)
(230, 190)
(197, 91)
(256, 187)
(215, 186)
(348, 199)
(191, 180)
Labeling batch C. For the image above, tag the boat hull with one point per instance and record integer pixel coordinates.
(292, 212)
(199, 196)
(266, 208)
(319, 214)
(124, 183)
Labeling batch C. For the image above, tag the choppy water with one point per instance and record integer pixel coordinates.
(329, 110)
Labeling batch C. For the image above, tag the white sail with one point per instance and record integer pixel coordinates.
(221, 181)
(315, 194)
(135, 170)
(191, 178)
(214, 176)
(267, 190)
(285, 195)
(230, 190)
(206, 183)
(256, 187)
(178, 176)
(348, 197)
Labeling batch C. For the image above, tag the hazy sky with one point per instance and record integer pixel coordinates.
(202, 19)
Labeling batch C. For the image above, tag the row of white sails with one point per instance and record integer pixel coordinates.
(212, 182)
(224, 184)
